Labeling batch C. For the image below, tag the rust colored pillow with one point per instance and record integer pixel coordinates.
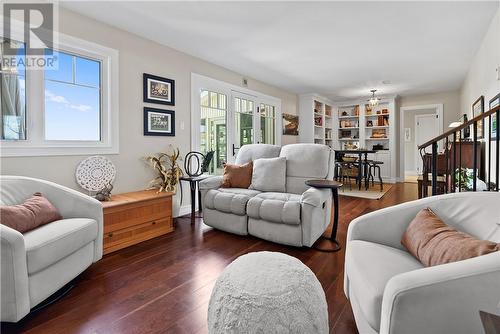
(433, 242)
(34, 212)
(237, 176)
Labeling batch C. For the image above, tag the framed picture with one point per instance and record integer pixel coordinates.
(159, 122)
(158, 90)
(290, 125)
(494, 102)
(478, 109)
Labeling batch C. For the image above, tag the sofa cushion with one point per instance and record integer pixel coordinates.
(252, 152)
(237, 176)
(230, 200)
(275, 207)
(52, 242)
(369, 267)
(269, 174)
(433, 242)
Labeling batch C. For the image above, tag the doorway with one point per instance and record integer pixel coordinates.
(418, 125)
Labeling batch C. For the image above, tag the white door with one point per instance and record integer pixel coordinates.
(426, 128)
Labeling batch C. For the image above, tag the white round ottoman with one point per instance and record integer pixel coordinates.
(267, 292)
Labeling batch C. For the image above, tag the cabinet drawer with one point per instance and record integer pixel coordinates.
(119, 218)
(131, 235)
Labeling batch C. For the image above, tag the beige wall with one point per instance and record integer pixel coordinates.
(451, 112)
(482, 78)
(138, 55)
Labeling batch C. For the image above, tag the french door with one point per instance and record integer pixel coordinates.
(224, 119)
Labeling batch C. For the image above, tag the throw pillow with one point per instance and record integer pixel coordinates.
(34, 212)
(433, 242)
(269, 174)
(237, 176)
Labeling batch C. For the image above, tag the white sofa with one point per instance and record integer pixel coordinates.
(296, 217)
(37, 263)
(392, 292)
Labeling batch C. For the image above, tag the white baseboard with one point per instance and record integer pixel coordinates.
(184, 210)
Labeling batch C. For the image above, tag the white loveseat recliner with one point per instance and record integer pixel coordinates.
(297, 217)
(37, 263)
(391, 292)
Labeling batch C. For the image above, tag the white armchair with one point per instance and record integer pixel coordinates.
(392, 292)
(37, 263)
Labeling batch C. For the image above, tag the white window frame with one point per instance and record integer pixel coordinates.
(200, 82)
(35, 143)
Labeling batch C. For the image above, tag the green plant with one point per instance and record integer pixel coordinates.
(466, 177)
(168, 170)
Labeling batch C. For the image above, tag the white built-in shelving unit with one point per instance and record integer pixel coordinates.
(316, 120)
(351, 125)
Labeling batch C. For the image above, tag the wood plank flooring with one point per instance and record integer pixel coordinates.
(163, 285)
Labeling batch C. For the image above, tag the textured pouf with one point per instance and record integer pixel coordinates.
(267, 292)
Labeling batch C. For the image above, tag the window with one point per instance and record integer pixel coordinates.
(13, 94)
(72, 97)
(68, 110)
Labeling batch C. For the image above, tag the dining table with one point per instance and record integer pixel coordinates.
(362, 163)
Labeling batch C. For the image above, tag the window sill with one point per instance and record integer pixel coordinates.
(55, 151)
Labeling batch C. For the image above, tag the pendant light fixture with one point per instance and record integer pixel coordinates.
(373, 100)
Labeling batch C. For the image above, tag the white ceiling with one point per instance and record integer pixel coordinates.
(338, 49)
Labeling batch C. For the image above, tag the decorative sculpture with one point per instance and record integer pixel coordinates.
(104, 194)
(168, 171)
(192, 164)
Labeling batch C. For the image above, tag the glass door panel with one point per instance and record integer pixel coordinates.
(267, 122)
(213, 128)
(244, 108)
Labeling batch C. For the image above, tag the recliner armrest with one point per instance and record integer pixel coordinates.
(15, 301)
(212, 182)
(442, 299)
(315, 197)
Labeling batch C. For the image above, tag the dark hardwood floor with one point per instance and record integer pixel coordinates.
(163, 285)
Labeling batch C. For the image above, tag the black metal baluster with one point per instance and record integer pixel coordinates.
(489, 153)
(434, 168)
(460, 162)
(497, 180)
(447, 170)
(454, 162)
(474, 153)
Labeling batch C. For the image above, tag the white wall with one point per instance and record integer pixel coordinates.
(482, 78)
(138, 55)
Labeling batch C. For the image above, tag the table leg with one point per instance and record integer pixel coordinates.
(360, 166)
(333, 237)
(367, 181)
(199, 198)
(192, 186)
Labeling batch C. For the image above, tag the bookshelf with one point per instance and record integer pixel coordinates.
(316, 117)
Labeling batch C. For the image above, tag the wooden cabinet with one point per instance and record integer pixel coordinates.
(134, 217)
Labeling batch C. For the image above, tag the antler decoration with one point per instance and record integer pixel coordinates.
(168, 170)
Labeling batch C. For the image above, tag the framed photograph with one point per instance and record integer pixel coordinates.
(158, 90)
(290, 125)
(494, 102)
(159, 122)
(478, 109)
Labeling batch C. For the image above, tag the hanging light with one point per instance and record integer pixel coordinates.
(373, 100)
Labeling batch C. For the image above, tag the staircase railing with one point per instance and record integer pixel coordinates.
(447, 167)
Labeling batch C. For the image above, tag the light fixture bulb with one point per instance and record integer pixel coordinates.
(373, 100)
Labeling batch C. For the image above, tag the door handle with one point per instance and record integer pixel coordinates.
(235, 148)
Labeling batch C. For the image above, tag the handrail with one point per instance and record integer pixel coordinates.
(459, 128)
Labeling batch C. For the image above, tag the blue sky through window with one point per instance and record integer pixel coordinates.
(72, 99)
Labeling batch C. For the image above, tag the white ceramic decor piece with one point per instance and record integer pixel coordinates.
(95, 172)
(267, 292)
